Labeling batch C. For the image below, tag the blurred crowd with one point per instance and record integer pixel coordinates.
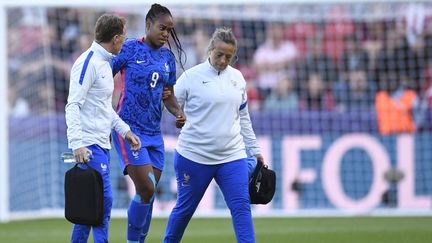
(336, 63)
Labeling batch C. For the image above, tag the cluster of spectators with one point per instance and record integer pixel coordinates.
(42, 46)
(336, 64)
(341, 65)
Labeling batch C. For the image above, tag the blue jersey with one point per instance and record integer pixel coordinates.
(145, 71)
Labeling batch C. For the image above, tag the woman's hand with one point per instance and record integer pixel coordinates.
(180, 120)
(133, 140)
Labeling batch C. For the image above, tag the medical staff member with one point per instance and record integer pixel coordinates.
(90, 116)
(213, 142)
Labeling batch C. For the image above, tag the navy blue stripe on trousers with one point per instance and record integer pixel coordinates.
(83, 71)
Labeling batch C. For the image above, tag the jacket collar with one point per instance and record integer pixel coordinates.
(210, 67)
(101, 51)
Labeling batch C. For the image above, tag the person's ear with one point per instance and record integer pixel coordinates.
(148, 23)
(114, 40)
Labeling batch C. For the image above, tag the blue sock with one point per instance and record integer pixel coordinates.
(146, 226)
(137, 213)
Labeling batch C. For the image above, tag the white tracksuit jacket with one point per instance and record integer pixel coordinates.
(89, 113)
(218, 128)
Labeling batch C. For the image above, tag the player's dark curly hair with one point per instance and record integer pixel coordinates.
(153, 14)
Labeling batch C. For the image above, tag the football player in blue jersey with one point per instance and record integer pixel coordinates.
(147, 67)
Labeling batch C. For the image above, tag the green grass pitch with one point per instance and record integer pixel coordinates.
(268, 230)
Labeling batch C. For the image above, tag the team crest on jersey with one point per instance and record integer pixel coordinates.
(167, 68)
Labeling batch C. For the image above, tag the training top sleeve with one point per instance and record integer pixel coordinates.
(82, 77)
(247, 131)
(118, 124)
(180, 90)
